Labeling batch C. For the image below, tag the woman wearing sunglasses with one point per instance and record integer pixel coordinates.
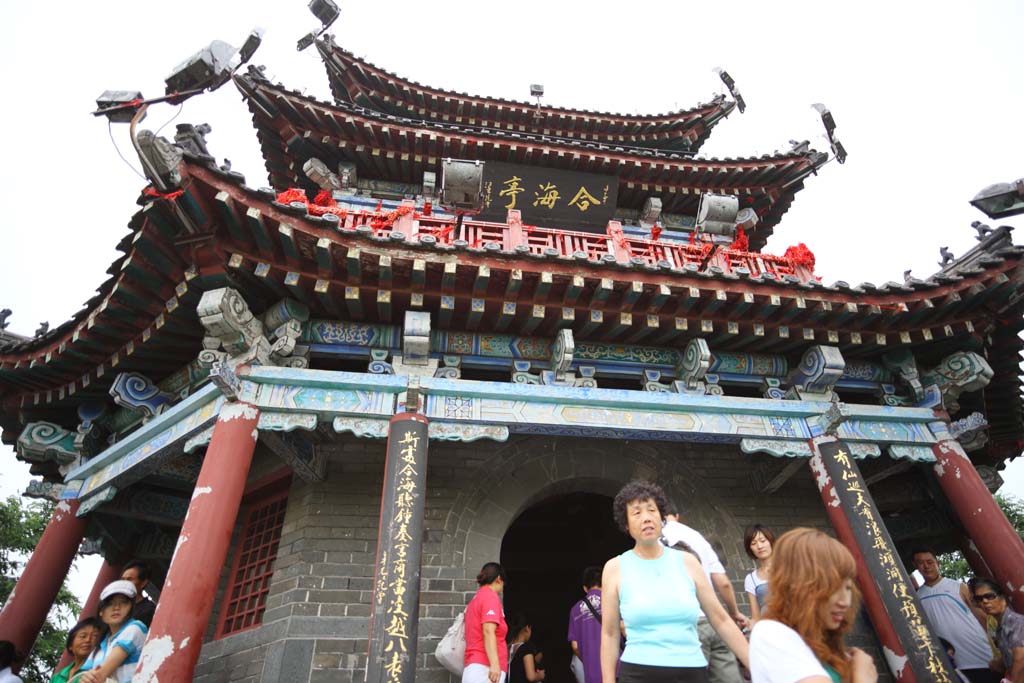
(990, 596)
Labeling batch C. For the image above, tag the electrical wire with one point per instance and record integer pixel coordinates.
(110, 130)
(168, 121)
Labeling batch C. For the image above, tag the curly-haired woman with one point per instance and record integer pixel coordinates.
(658, 593)
(812, 602)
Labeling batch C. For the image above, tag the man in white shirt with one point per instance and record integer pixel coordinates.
(951, 613)
(722, 666)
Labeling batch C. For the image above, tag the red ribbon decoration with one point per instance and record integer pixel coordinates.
(153, 192)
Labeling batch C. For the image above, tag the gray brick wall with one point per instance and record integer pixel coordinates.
(317, 619)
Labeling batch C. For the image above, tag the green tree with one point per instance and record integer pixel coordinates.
(954, 566)
(21, 524)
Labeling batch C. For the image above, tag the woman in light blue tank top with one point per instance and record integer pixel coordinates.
(658, 593)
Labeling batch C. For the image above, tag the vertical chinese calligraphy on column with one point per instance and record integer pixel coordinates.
(393, 625)
(850, 498)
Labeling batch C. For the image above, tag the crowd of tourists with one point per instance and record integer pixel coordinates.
(106, 647)
(665, 610)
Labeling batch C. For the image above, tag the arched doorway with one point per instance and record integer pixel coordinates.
(544, 552)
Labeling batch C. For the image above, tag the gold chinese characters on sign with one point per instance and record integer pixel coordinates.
(548, 196)
(395, 574)
(892, 574)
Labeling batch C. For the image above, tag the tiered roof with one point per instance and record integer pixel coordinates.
(371, 265)
(357, 81)
(294, 127)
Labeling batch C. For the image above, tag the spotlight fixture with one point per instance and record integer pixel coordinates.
(462, 184)
(122, 104)
(207, 69)
(327, 12)
(830, 132)
(1001, 200)
(731, 85)
(716, 214)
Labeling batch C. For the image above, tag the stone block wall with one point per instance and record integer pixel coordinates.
(316, 624)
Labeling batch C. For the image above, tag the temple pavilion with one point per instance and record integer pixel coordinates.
(447, 333)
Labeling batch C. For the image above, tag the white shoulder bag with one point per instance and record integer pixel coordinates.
(451, 651)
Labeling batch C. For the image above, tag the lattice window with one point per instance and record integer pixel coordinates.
(246, 596)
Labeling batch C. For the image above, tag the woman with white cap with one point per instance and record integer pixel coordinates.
(118, 653)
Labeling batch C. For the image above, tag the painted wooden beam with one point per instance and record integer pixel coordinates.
(293, 281)
(594, 320)
(384, 272)
(448, 277)
(572, 290)
(515, 283)
(324, 259)
(327, 297)
(353, 266)
(447, 309)
(483, 278)
(354, 303)
(286, 236)
(228, 212)
(544, 282)
(418, 277)
(477, 308)
(259, 231)
(537, 313)
(508, 314)
(384, 304)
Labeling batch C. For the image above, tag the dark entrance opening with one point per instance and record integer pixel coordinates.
(544, 553)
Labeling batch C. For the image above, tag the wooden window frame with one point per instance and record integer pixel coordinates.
(267, 496)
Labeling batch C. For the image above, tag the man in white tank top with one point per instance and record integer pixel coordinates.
(948, 606)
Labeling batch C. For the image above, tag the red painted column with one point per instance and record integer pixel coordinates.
(186, 601)
(895, 654)
(107, 573)
(985, 523)
(33, 595)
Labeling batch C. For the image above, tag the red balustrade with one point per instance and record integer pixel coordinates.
(568, 244)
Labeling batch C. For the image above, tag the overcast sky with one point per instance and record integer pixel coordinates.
(927, 97)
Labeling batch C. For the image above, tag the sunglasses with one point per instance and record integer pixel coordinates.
(984, 597)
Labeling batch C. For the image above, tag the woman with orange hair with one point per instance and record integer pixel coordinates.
(812, 602)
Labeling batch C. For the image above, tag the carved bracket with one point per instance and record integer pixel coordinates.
(692, 368)
(957, 373)
(134, 391)
(93, 502)
(379, 364)
(46, 442)
(244, 338)
(299, 453)
(816, 376)
(837, 414)
(452, 368)
(44, 490)
(971, 431)
(904, 365)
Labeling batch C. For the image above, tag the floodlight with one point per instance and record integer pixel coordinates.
(252, 42)
(462, 184)
(119, 105)
(716, 214)
(209, 68)
(306, 40)
(324, 10)
(1001, 200)
(319, 173)
(651, 212)
(536, 90)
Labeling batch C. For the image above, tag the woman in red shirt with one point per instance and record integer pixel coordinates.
(486, 652)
